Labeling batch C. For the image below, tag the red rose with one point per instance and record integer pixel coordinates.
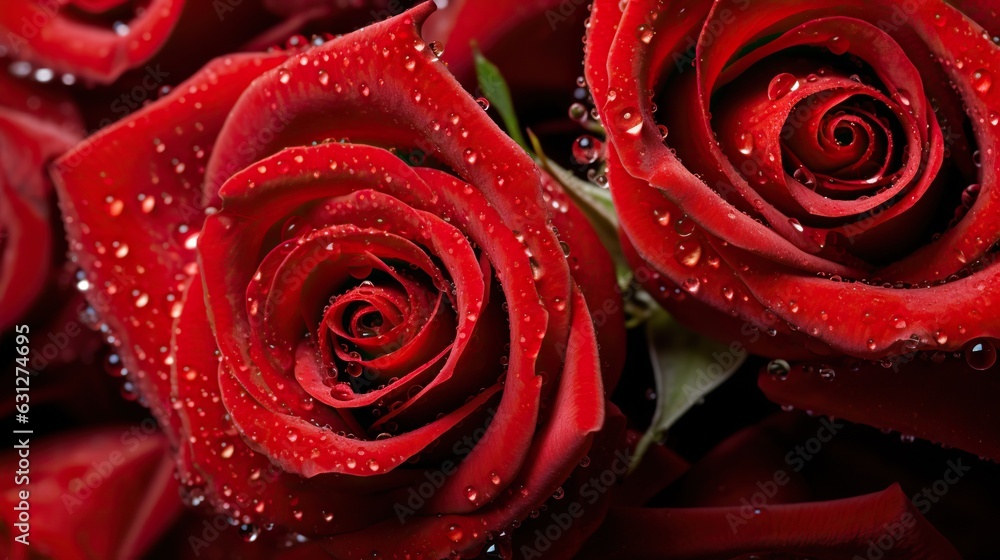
(378, 302)
(817, 182)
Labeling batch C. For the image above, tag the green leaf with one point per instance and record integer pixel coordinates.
(495, 89)
(686, 367)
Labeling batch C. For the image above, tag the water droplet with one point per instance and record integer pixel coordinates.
(373, 465)
(631, 121)
(692, 285)
(249, 532)
(663, 217)
(645, 33)
(805, 177)
(484, 103)
(982, 80)
(684, 226)
(796, 225)
(471, 494)
(744, 143)
(586, 149)
(495, 478)
(941, 337)
(826, 373)
(227, 451)
(838, 45)
(578, 112)
(470, 155)
(980, 353)
(778, 368)
(436, 48)
(455, 533)
(359, 267)
(781, 85)
(354, 369)
(688, 253)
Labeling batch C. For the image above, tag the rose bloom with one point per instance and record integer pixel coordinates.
(337, 284)
(816, 181)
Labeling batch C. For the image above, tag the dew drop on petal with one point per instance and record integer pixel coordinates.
(781, 85)
(980, 353)
(631, 121)
(455, 533)
(692, 285)
(744, 144)
(838, 45)
(645, 33)
(688, 253)
(982, 80)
